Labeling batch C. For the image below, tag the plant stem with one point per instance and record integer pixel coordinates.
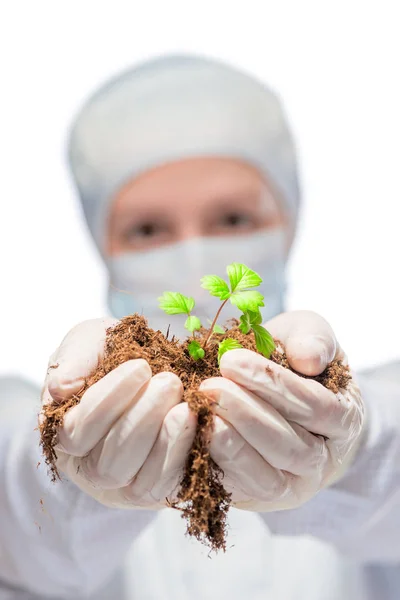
(211, 331)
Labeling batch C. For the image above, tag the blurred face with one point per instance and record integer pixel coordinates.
(191, 198)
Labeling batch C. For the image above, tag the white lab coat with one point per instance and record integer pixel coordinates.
(342, 545)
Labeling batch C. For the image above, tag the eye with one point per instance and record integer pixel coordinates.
(146, 234)
(146, 230)
(236, 220)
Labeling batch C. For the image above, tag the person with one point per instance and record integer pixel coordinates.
(184, 165)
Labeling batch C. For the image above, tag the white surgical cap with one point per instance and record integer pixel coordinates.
(173, 108)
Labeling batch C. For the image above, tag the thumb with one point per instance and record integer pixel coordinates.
(309, 341)
(78, 355)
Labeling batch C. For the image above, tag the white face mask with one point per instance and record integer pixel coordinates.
(179, 268)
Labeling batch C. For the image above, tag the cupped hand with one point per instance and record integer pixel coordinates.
(279, 437)
(126, 442)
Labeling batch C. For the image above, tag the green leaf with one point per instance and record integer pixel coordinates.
(228, 344)
(218, 329)
(195, 350)
(248, 300)
(241, 277)
(249, 319)
(264, 341)
(216, 286)
(193, 324)
(174, 303)
(244, 326)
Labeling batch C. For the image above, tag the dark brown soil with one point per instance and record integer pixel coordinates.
(202, 499)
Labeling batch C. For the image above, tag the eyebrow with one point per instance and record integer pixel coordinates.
(142, 211)
(222, 202)
(227, 200)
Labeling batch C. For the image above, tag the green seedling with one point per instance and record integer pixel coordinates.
(240, 292)
(195, 350)
(228, 344)
(174, 303)
(218, 329)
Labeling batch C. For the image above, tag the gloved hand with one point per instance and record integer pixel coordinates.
(278, 437)
(126, 442)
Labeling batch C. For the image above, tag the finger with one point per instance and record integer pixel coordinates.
(77, 357)
(283, 445)
(71, 467)
(117, 458)
(250, 474)
(161, 474)
(101, 406)
(308, 339)
(297, 399)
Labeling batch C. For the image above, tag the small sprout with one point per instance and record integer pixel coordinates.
(228, 344)
(193, 324)
(174, 303)
(241, 277)
(248, 300)
(216, 286)
(218, 329)
(195, 350)
(238, 291)
(249, 319)
(252, 321)
(264, 340)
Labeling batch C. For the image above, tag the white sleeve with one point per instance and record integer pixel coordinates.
(360, 514)
(55, 540)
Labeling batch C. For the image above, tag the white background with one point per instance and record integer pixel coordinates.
(336, 65)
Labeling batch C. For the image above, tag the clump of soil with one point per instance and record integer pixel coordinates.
(202, 499)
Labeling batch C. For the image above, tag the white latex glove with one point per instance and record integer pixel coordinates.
(271, 424)
(126, 442)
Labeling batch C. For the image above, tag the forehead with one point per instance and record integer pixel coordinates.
(191, 178)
